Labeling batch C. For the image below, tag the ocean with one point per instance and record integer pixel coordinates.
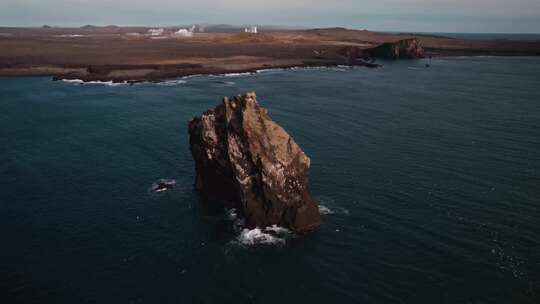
(492, 36)
(530, 37)
(428, 181)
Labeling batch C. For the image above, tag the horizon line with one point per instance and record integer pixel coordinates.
(298, 27)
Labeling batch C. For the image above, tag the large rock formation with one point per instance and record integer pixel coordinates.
(250, 163)
(406, 48)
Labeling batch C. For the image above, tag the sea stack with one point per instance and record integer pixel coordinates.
(401, 49)
(247, 161)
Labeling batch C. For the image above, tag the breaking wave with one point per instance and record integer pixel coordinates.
(273, 235)
(328, 206)
(182, 80)
(169, 83)
(237, 74)
(97, 82)
(325, 210)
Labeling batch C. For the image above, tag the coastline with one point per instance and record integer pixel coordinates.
(186, 77)
(159, 75)
(164, 73)
(101, 55)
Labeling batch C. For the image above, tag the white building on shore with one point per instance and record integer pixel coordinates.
(252, 30)
(156, 32)
(183, 32)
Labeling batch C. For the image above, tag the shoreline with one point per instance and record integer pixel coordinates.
(107, 54)
(185, 74)
(164, 74)
(185, 77)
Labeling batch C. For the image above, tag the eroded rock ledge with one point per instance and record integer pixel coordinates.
(249, 162)
(402, 49)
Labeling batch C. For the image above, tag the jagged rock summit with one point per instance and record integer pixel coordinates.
(249, 162)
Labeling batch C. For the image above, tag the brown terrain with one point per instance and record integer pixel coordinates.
(131, 54)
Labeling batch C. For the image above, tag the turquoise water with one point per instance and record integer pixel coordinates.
(429, 180)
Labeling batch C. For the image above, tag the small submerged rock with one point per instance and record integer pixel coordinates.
(162, 185)
(250, 163)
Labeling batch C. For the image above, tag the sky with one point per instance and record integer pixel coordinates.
(472, 16)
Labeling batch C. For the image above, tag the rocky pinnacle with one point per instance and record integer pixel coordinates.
(245, 160)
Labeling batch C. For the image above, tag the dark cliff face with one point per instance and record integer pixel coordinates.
(406, 48)
(249, 162)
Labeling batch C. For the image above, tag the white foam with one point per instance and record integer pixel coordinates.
(237, 74)
(336, 68)
(300, 68)
(328, 206)
(77, 81)
(325, 210)
(231, 214)
(258, 236)
(107, 83)
(310, 68)
(169, 83)
(269, 70)
(278, 230)
(182, 80)
(271, 235)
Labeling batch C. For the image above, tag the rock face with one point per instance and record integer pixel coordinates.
(407, 48)
(250, 163)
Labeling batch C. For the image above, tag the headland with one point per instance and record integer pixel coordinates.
(134, 54)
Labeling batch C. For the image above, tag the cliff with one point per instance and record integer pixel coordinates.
(406, 48)
(249, 162)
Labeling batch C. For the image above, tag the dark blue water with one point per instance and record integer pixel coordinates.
(430, 177)
(530, 37)
(492, 36)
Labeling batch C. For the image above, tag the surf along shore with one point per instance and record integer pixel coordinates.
(131, 54)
